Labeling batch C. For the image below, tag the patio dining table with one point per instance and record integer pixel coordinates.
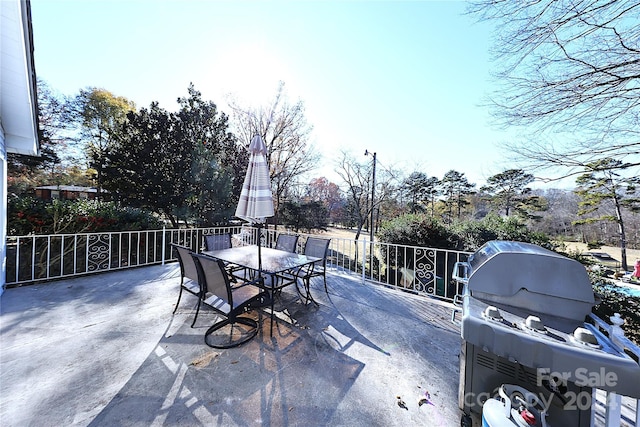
(273, 263)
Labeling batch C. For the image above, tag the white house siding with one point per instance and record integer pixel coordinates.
(18, 105)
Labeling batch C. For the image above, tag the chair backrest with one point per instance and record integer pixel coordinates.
(317, 247)
(215, 242)
(287, 242)
(187, 266)
(213, 278)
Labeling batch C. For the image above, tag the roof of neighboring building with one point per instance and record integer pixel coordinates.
(76, 188)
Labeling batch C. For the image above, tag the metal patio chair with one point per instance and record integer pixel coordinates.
(287, 242)
(318, 248)
(216, 242)
(230, 302)
(188, 277)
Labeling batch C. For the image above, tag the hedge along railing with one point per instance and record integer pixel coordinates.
(36, 258)
(420, 270)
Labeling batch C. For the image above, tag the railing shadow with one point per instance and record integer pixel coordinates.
(266, 381)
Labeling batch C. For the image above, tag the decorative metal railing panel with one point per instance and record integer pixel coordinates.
(98, 252)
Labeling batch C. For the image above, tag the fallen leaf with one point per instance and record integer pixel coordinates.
(204, 359)
(401, 403)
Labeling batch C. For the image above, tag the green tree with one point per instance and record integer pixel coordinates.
(101, 114)
(455, 188)
(304, 216)
(421, 190)
(604, 193)
(219, 163)
(508, 192)
(413, 188)
(25, 172)
(185, 166)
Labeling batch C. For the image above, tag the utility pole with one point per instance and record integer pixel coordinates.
(373, 195)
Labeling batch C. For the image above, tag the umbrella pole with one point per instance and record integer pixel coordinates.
(260, 225)
(259, 249)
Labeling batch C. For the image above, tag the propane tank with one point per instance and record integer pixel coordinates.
(514, 407)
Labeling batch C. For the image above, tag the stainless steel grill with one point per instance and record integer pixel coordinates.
(523, 322)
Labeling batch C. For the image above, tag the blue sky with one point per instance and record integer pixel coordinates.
(403, 79)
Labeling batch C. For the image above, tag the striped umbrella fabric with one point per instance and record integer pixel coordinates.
(256, 199)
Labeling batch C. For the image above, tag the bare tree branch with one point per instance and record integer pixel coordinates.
(569, 70)
(285, 132)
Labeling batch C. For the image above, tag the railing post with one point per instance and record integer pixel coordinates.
(613, 411)
(364, 258)
(33, 257)
(163, 243)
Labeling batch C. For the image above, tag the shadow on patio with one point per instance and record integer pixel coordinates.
(105, 350)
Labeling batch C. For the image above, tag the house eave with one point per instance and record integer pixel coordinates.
(18, 106)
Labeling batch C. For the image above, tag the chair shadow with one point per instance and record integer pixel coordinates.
(326, 324)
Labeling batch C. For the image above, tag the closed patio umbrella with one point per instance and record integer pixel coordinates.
(256, 199)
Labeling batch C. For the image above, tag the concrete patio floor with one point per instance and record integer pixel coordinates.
(105, 350)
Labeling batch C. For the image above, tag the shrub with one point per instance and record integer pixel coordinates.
(424, 230)
(28, 215)
(594, 244)
(415, 230)
(470, 235)
(615, 300)
(412, 230)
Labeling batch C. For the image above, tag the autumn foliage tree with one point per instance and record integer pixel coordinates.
(327, 193)
(100, 114)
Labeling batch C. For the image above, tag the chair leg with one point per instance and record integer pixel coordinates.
(242, 320)
(324, 276)
(307, 286)
(299, 291)
(273, 299)
(197, 311)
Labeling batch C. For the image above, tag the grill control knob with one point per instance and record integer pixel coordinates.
(583, 335)
(492, 312)
(534, 322)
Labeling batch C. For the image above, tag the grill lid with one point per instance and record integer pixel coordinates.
(522, 274)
